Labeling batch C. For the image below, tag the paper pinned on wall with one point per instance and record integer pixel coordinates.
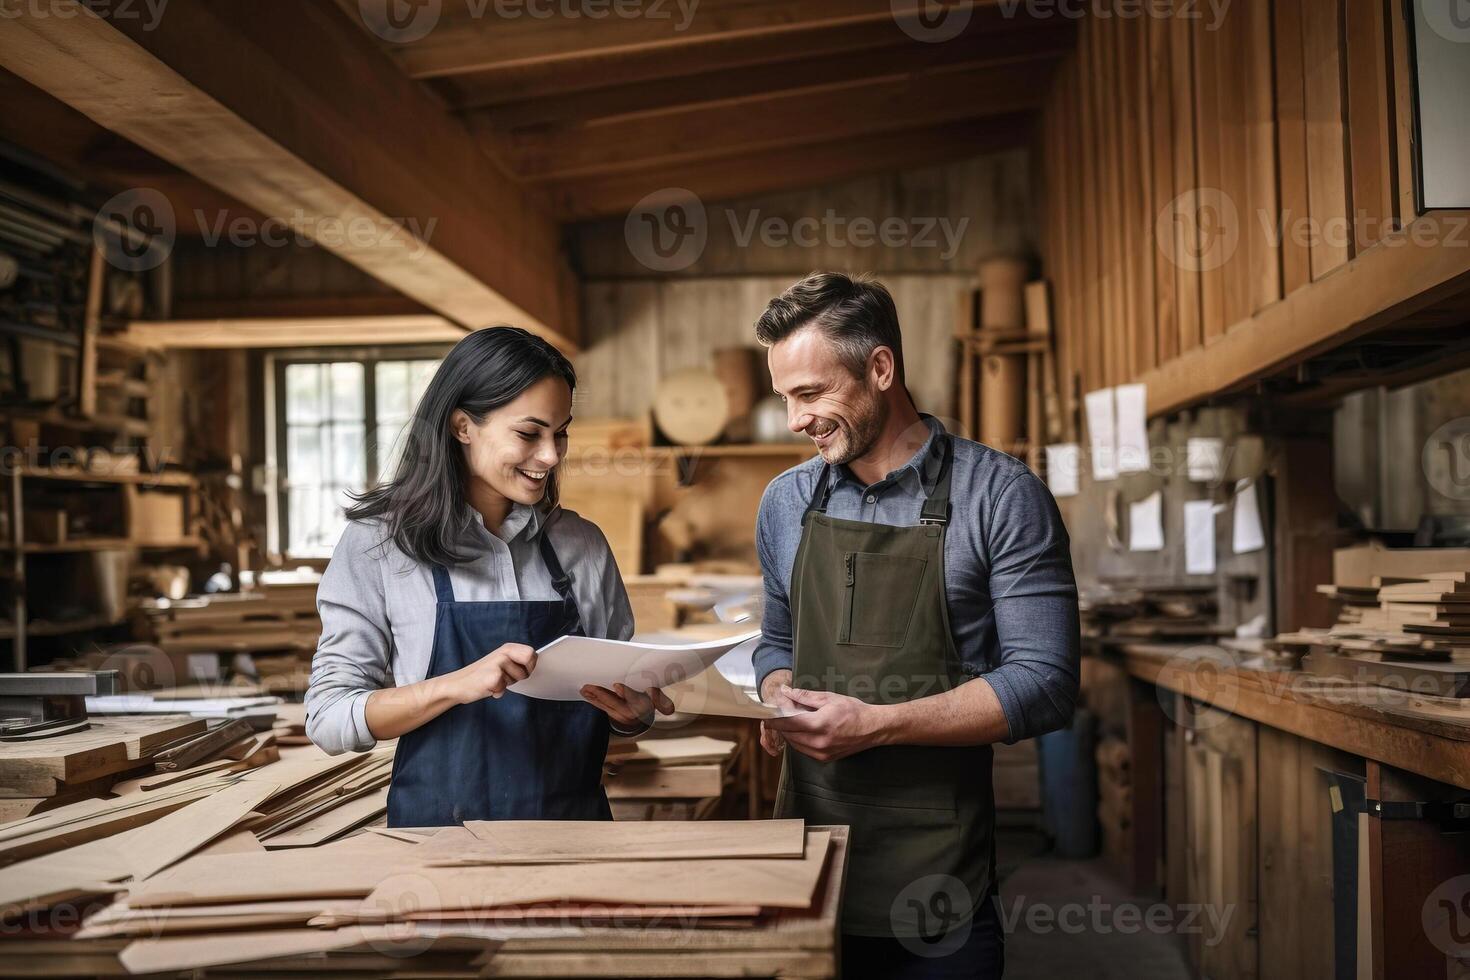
(1199, 537)
(1205, 459)
(1063, 463)
(1131, 414)
(1248, 533)
(564, 665)
(1102, 433)
(1146, 523)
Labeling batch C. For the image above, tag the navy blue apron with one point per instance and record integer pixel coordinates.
(511, 758)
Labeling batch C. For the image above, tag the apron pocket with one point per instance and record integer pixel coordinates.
(878, 603)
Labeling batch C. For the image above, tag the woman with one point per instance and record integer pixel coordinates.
(454, 572)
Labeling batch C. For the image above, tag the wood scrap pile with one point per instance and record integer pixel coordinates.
(1151, 612)
(667, 778)
(1403, 622)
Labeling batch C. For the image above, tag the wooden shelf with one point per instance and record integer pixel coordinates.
(104, 544)
(43, 627)
(168, 478)
(106, 423)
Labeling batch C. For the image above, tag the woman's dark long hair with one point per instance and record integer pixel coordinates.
(423, 505)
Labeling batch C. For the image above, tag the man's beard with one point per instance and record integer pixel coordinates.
(856, 439)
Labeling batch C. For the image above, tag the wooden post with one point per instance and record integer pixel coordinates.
(1305, 529)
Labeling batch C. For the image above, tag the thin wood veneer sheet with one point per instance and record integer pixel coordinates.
(194, 952)
(343, 869)
(567, 664)
(673, 751)
(710, 693)
(768, 882)
(567, 841)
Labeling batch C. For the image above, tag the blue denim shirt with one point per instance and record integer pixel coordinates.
(1007, 567)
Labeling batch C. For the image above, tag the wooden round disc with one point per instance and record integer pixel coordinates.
(691, 407)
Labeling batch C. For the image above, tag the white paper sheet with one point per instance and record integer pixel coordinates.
(1063, 461)
(1248, 534)
(1146, 523)
(1102, 433)
(1199, 537)
(1131, 415)
(565, 665)
(1205, 459)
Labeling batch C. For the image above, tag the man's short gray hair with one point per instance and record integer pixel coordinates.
(855, 312)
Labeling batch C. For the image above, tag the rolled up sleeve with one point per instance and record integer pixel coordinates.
(355, 649)
(773, 651)
(1036, 618)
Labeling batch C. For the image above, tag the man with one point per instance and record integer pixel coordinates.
(920, 605)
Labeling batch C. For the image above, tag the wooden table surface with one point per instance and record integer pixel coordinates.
(1426, 735)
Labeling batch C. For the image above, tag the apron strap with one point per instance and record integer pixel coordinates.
(936, 507)
(560, 581)
(443, 591)
(821, 493)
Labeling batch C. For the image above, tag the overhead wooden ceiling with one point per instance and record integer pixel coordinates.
(737, 97)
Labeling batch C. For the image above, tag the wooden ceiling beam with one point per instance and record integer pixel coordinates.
(285, 107)
(773, 121)
(503, 85)
(804, 71)
(474, 37)
(792, 168)
(276, 332)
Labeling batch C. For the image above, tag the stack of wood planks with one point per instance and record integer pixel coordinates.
(45, 774)
(1151, 612)
(667, 778)
(1403, 622)
(195, 891)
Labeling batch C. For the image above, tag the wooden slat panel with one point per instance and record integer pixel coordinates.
(1114, 239)
(1095, 318)
(1262, 246)
(1125, 114)
(1145, 296)
(1232, 84)
(1291, 143)
(1328, 188)
(1159, 89)
(1186, 181)
(1212, 212)
(1406, 207)
(1370, 134)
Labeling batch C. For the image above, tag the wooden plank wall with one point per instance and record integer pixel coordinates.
(1198, 170)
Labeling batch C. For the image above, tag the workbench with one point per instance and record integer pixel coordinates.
(785, 944)
(1239, 771)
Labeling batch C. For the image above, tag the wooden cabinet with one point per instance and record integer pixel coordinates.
(1220, 849)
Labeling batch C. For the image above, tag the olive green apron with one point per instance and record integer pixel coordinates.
(870, 621)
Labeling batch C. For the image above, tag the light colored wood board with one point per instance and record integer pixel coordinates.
(48, 838)
(159, 922)
(542, 842)
(651, 914)
(711, 694)
(196, 952)
(346, 868)
(1327, 179)
(673, 751)
(769, 882)
(169, 839)
(665, 782)
(335, 822)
